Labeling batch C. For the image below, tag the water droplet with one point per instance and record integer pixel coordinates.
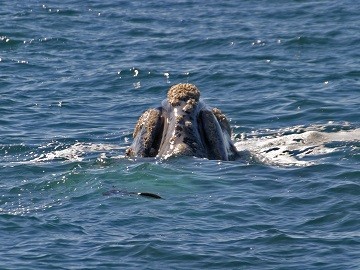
(137, 85)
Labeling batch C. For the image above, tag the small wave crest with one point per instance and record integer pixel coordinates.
(58, 151)
(293, 146)
(75, 152)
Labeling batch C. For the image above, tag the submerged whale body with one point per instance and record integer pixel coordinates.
(183, 126)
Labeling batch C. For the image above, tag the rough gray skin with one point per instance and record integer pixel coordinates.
(183, 126)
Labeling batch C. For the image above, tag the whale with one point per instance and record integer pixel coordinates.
(183, 126)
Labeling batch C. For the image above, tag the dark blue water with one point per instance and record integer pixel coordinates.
(74, 78)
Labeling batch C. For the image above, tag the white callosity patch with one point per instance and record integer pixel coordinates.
(172, 139)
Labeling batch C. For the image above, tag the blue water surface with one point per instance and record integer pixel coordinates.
(74, 78)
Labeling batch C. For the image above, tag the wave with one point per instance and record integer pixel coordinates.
(293, 146)
(76, 152)
(57, 151)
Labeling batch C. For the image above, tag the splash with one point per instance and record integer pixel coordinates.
(294, 146)
(58, 151)
(76, 152)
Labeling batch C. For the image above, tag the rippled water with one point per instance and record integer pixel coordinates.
(74, 78)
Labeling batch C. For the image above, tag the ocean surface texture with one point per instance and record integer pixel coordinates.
(76, 75)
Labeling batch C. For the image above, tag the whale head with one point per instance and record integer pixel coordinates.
(183, 126)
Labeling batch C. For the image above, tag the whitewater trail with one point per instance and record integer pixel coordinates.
(292, 149)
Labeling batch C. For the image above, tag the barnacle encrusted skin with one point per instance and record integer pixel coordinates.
(149, 119)
(222, 120)
(140, 123)
(190, 105)
(145, 134)
(129, 152)
(211, 125)
(183, 92)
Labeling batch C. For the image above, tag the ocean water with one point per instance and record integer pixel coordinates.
(74, 78)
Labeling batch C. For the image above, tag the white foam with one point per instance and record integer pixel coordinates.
(75, 152)
(290, 149)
